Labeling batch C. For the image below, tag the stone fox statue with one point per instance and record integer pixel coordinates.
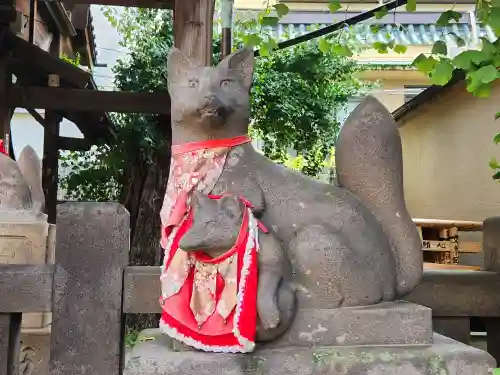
(351, 245)
(21, 183)
(274, 268)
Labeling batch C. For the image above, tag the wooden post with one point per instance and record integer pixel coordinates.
(92, 246)
(31, 21)
(5, 82)
(227, 26)
(10, 342)
(193, 28)
(50, 163)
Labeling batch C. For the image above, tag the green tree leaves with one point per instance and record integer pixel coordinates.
(295, 95)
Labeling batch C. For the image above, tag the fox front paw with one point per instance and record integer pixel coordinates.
(269, 314)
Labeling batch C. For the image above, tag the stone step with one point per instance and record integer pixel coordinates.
(444, 356)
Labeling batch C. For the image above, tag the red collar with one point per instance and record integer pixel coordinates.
(212, 143)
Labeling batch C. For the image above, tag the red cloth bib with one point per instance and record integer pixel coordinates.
(210, 304)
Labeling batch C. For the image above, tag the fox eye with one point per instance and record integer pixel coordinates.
(193, 83)
(225, 82)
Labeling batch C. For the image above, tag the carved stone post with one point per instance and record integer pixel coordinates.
(91, 253)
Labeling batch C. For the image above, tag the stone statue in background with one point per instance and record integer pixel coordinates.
(21, 183)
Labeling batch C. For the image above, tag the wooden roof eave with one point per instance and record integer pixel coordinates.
(32, 66)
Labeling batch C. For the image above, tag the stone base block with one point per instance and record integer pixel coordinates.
(154, 356)
(390, 323)
(34, 355)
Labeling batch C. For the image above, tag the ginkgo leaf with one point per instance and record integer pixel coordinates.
(442, 73)
(269, 21)
(446, 17)
(398, 48)
(323, 45)
(411, 5)
(439, 48)
(381, 13)
(281, 9)
(333, 6)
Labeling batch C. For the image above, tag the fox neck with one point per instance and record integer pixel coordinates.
(196, 129)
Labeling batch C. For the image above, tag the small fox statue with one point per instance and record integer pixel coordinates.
(21, 183)
(348, 245)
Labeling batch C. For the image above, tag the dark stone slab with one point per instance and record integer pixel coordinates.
(26, 288)
(445, 356)
(10, 331)
(493, 337)
(91, 254)
(456, 328)
(479, 292)
(491, 243)
(390, 323)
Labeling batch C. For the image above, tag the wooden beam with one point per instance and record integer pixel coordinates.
(64, 143)
(28, 57)
(193, 28)
(7, 14)
(38, 117)
(166, 4)
(73, 144)
(89, 100)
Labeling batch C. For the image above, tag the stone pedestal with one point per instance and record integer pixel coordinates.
(444, 357)
(27, 238)
(387, 339)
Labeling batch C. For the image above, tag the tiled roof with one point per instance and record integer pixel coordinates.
(412, 34)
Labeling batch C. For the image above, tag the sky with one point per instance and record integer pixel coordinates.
(108, 49)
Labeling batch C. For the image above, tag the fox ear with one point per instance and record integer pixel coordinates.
(31, 168)
(241, 62)
(179, 65)
(15, 192)
(231, 204)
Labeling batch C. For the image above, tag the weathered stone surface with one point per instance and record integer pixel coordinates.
(91, 253)
(34, 355)
(353, 245)
(391, 323)
(23, 243)
(446, 356)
